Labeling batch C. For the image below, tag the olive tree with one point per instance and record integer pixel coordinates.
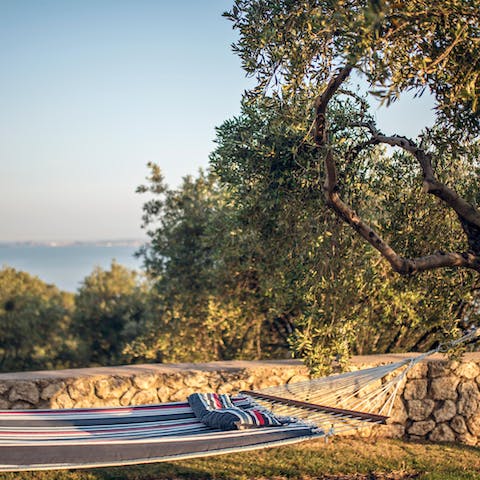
(397, 46)
(320, 281)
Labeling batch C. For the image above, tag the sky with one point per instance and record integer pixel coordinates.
(93, 90)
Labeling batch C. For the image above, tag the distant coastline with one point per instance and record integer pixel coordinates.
(75, 243)
(67, 264)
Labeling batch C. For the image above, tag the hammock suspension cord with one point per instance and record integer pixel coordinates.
(358, 396)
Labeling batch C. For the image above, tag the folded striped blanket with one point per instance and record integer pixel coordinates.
(218, 411)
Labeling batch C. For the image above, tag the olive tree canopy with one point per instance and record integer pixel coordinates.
(292, 46)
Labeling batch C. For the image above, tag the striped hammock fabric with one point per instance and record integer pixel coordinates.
(97, 437)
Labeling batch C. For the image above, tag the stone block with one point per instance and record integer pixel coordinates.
(113, 387)
(264, 383)
(145, 381)
(275, 380)
(81, 389)
(126, 398)
(440, 368)
(4, 387)
(24, 391)
(421, 428)
(49, 390)
(287, 373)
(369, 388)
(468, 370)
(145, 397)
(62, 401)
(442, 433)
(164, 394)
(415, 390)
(172, 380)
(88, 402)
(394, 430)
(467, 438)
(399, 412)
(458, 424)
(4, 404)
(224, 388)
(108, 402)
(468, 399)
(420, 370)
(446, 412)
(473, 424)
(22, 406)
(420, 409)
(197, 380)
(239, 385)
(182, 394)
(444, 388)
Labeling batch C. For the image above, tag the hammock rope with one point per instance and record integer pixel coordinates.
(362, 396)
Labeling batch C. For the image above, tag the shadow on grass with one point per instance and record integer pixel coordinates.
(342, 459)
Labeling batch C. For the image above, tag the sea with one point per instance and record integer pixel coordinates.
(66, 266)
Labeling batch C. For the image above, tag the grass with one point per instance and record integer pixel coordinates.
(340, 459)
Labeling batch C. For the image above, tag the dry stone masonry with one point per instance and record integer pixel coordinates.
(139, 384)
(438, 401)
(442, 402)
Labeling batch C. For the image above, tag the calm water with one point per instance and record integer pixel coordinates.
(66, 267)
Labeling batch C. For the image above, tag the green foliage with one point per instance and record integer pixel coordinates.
(248, 256)
(313, 270)
(205, 287)
(397, 45)
(111, 307)
(34, 322)
(345, 299)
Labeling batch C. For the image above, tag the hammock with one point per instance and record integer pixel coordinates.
(99, 437)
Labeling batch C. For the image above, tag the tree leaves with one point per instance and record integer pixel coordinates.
(34, 322)
(398, 45)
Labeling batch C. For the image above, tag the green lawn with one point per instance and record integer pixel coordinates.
(340, 459)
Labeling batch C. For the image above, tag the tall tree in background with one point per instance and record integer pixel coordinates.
(248, 256)
(34, 323)
(111, 308)
(206, 286)
(398, 46)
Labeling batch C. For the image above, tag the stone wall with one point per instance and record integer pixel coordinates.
(438, 401)
(139, 384)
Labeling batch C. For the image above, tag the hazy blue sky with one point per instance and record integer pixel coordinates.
(92, 90)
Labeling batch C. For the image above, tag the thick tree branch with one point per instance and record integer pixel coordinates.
(468, 215)
(355, 151)
(321, 104)
(430, 183)
(400, 264)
